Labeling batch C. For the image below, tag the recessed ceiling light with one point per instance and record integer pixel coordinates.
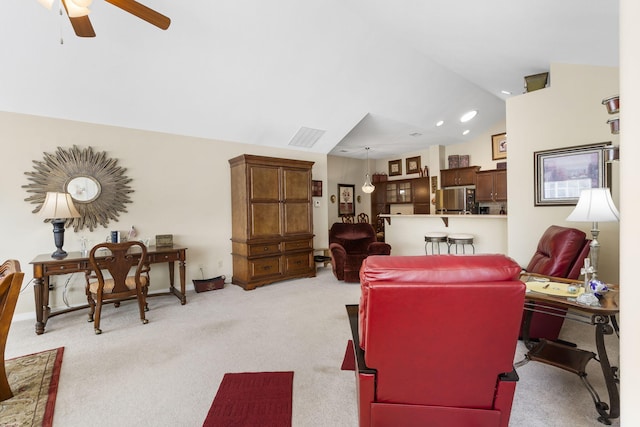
(465, 132)
(468, 116)
(440, 123)
(505, 92)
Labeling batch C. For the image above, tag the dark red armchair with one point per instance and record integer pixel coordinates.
(560, 253)
(349, 245)
(435, 338)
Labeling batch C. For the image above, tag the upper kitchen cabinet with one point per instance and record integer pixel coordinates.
(491, 186)
(458, 176)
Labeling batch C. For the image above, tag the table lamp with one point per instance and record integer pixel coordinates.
(595, 205)
(58, 207)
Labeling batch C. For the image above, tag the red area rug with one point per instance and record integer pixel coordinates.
(349, 362)
(34, 383)
(252, 399)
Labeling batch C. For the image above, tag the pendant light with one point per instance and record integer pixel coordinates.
(368, 187)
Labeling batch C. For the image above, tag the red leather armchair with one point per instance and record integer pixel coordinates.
(435, 338)
(349, 245)
(560, 253)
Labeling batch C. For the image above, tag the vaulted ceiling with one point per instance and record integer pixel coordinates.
(362, 72)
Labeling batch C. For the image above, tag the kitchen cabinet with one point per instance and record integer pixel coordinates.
(458, 176)
(406, 191)
(421, 196)
(491, 186)
(272, 224)
(399, 191)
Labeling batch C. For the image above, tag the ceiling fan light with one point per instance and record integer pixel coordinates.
(75, 11)
(46, 3)
(82, 3)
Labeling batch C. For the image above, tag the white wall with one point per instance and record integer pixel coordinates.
(567, 113)
(629, 208)
(181, 187)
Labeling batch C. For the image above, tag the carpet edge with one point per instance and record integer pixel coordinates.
(47, 420)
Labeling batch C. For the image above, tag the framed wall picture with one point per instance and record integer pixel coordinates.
(346, 195)
(413, 164)
(316, 188)
(395, 167)
(561, 174)
(499, 146)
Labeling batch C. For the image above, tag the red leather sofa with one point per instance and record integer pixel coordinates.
(349, 245)
(560, 253)
(435, 338)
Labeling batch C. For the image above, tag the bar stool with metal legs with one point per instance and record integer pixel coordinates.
(434, 238)
(461, 239)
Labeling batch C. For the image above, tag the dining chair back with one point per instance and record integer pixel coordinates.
(110, 279)
(10, 282)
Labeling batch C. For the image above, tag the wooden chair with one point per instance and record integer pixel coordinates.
(379, 227)
(363, 217)
(10, 283)
(117, 260)
(348, 219)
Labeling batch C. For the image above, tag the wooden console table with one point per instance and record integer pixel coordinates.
(570, 358)
(44, 266)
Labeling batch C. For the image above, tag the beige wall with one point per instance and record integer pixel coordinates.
(567, 113)
(181, 187)
(343, 170)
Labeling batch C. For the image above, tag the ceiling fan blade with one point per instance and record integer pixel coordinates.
(81, 25)
(142, 12)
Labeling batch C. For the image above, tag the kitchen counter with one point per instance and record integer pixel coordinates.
(405, 233)
(444, 215)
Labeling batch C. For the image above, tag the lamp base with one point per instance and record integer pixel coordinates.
(58, 238)
(59, 254)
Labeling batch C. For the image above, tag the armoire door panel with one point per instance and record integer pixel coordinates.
(264, 183)
(265, 220)
(296, 218)
(296, 185)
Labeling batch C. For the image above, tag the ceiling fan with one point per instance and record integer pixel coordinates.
(78, 12)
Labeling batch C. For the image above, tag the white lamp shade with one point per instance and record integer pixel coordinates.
(58, 206)
(595, 205)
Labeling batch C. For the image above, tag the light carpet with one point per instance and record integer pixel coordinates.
(34, 383)
(166, 373)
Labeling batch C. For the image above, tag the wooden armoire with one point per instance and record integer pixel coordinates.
(272, 222)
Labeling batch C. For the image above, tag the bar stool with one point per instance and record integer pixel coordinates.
(460, 239)
(435, 238)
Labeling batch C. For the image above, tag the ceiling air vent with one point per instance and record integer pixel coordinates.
(306, 137)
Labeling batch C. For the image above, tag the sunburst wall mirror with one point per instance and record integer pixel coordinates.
(98, 186)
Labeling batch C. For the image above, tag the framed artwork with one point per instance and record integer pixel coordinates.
(434, 184)
(499, 146)
(316, 188)
(561, 174)
(395, 167)
(413, 164)
(346, 205)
